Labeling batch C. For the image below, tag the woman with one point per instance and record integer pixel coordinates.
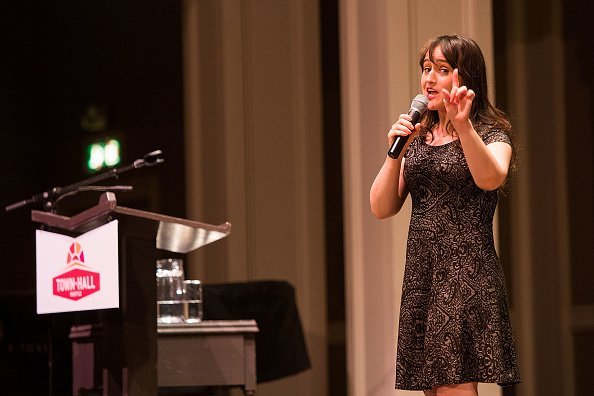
(454, 328)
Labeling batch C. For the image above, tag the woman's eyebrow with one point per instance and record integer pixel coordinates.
(436, 61)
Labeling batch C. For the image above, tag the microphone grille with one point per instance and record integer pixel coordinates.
(420, 103)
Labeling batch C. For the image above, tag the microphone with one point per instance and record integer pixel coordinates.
(417, 109)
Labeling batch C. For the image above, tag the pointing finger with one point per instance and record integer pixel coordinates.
(462, 92)
(454, 94)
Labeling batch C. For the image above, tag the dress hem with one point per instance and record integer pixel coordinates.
(501, 384)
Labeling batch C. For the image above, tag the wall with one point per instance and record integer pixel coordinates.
(253, 157)
(550, 215)
(380, 40)
(254, 154)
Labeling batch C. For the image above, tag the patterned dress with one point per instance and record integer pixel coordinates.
(454, 320)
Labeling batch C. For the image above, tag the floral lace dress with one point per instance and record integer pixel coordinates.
(454, 321)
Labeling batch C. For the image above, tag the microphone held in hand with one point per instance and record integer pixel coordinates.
(417, 109)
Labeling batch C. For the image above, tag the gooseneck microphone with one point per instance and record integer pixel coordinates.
(417, 109)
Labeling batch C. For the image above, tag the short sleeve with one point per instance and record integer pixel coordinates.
(496, 135)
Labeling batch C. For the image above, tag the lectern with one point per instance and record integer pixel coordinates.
(128, 333)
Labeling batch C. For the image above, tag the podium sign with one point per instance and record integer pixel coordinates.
(77, 274)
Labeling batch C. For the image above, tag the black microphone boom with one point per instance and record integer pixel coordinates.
(417, 109)
(50, 197)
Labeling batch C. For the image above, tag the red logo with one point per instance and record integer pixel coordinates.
(77, 282)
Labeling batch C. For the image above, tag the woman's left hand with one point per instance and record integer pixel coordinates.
(458, 102)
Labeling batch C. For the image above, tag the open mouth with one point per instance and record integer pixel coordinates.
(431, 93)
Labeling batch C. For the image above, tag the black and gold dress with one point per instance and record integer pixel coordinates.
(454, 321)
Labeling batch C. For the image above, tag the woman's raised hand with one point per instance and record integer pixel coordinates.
(458, 102)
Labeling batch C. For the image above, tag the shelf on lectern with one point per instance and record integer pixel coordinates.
(180, 235)
(180, 238)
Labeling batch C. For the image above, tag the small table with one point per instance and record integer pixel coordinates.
(210, 353)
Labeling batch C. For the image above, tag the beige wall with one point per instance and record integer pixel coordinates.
(552, 310)
(380, 41)
(254, 154)
(539, 202)
(254, 158)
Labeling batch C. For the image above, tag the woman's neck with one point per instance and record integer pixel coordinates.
(440, 134)
(441, 129)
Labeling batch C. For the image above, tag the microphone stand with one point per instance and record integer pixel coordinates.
(49, 198)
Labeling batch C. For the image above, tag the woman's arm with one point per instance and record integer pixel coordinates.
(488, 164)
(388, 191)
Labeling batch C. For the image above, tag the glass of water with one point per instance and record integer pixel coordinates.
(192, 301)
(170, 289)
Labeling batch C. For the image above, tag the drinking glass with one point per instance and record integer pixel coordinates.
(193, 301)
(170, 286)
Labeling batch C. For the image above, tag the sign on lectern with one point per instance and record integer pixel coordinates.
(77, 274)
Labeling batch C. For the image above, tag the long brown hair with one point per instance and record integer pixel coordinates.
(464, 54)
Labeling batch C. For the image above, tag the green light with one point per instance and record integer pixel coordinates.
(103, 154)
(112, 153)
(95, 161)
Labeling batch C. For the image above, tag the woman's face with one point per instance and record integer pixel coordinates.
(436, 75)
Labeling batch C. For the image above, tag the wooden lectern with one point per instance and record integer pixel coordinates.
(128, 361)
